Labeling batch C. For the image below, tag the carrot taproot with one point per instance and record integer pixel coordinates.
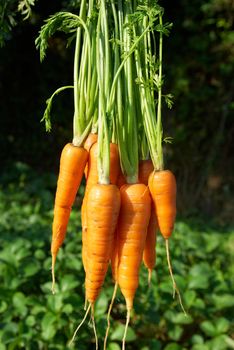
(92, 174)
(92, 179)
(149, 254)
(162, 185)
(132, 229)
(91, 139)
(103, 202)
(72, 163)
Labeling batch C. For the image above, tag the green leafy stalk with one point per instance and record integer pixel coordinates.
(47, 114)
(103, 74)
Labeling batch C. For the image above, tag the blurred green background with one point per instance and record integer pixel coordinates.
(199, 70)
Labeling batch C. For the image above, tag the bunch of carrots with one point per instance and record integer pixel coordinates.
(117, 145)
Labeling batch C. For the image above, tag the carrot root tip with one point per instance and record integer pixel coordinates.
(74, 334)
(175, 288)
(149, 277)
(108, 315)
(126, 328)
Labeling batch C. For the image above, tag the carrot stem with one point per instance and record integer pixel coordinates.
(85, 316)
(108, 314)
(175, 288)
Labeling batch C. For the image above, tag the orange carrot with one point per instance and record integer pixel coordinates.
(91, 139)
(92, 179)
(145, 169)
(149, 254)
(162, 185)
(103, 202)
(92, 174)
(121, 179)
(72, 163)
(132, 229)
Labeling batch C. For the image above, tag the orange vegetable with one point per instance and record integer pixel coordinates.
(149, 253)
(91, 139)
(92, 174)
(162, 185)
(92, 179)
(132, 229)
(103, 203)
(72, 163)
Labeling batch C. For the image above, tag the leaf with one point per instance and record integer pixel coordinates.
(118, 333)
(222, 325)
(3, 306)
(113, 346)
(101, 305)
(19, 302)
(208, 328)
(197, 339)
(68, 282)
(189, 297)
(48, 319)
(176, 332)
(31, 268)
(223, 301)
(173, 346)
(218, 343)
(200, 347)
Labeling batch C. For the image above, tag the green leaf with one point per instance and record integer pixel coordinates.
(101, 305)
(31, 268)
(178, 318)
(218, 343)
(197, 339)
(19, 302)
(173, 346)
(223, 301)
(222, 325)
(47, 321)
(113, 346)
(189, 297)
(208, 328)
(175, 333)
(3, 306)
(230, 342)
(30, 321)
(55, 302)
(68, 282)
(118, 333)
(200, 347)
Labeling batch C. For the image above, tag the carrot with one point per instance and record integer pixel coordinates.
(162, 185)
(149, 253)
(92, 174)
(121, 179)
(72, 163)
(91, 139)
(92, 179)
(103, 202)
(132, 230)
(145, 169)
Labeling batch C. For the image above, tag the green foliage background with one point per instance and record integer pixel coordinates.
(199, 66)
